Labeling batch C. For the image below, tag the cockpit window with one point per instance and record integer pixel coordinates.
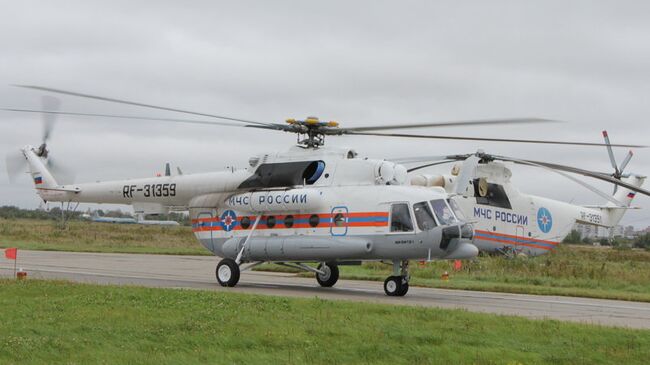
(424, 216)
(400, 220)
(456, 209)
(443, 212)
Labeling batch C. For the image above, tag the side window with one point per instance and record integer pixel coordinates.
(400, 220)
(443, 212)
(424, 216)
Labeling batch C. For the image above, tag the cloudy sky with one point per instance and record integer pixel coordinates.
(360, 63)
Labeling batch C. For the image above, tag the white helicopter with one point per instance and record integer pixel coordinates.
(309, 204)
(508, 221)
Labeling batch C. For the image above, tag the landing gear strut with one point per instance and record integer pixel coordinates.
(397, 285)
(227, 272)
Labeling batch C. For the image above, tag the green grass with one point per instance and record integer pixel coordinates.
(47, 322)
(85, 236)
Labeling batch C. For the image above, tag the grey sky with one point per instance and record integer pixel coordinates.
(360, 63)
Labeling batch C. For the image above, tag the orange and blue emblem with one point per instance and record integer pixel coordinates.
(228, 220)
(544, 220)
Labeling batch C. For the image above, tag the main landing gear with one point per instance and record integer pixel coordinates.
(329, 275)
(397, 285)
(228, 272)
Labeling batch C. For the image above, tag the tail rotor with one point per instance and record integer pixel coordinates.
(17, 163)
(618, 171)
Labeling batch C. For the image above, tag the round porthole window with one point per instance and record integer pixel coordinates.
(314, 220)
(270, 222)
(288, 221)
(245, 222)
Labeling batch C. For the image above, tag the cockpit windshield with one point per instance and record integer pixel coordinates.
(424, 216)
(443, 212)
(456, 208)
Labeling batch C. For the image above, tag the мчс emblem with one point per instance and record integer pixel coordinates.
(228, 220)
(544, 220)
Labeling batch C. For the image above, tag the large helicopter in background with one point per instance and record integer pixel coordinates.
(311, 203)
(509, 221)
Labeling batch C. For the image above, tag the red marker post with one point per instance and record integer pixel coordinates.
(12, 254)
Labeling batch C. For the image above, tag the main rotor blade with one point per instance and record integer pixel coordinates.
(191, 121)
(562, 172)
(452, 124)
(490, 139)
(119, 101)
(576, 170)
(430, 164)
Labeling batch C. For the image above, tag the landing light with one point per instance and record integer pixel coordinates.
(333, 124)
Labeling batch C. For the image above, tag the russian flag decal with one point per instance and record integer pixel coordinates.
(38, 180)
(631, 194)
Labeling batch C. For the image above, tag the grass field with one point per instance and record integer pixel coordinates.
(87, 236)
(47, 322)
(571, 270)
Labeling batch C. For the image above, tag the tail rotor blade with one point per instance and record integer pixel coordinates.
(50, 103)
(63, 175)
(16, 164)
(611, 154)
(626, 160)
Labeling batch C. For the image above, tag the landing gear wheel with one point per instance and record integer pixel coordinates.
(227, 272)
(331, 274)
(392, 286)
(396, 286)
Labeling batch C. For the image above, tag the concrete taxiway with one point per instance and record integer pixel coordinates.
(198, 272)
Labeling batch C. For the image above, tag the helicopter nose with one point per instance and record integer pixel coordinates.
(464, 250)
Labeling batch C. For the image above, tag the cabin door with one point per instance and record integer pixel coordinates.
(205, 222)
(519, 238)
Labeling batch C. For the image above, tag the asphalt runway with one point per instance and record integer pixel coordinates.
(197, 272)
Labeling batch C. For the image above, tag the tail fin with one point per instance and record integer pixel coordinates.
(613, 213)
(42, 177)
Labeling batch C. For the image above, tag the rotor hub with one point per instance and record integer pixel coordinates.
(312, 131)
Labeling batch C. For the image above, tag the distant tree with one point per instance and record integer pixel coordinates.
(573, 237)
(642, 241)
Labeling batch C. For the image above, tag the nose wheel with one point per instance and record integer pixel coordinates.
(398, 285)
(227, 272)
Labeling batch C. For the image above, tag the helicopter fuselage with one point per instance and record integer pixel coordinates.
(322, 205)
